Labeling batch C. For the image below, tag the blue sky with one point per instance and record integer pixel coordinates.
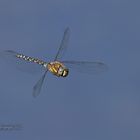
(81, 106)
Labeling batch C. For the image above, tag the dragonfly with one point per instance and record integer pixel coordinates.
(57, 67)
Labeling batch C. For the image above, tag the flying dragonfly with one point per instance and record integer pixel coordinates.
(57, 67)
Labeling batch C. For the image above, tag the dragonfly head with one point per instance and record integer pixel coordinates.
(63, 72)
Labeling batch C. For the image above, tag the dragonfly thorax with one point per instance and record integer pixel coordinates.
(58, 69)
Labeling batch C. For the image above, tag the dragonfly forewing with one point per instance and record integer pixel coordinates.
(86, 66)
(64, 44)
(38, 85)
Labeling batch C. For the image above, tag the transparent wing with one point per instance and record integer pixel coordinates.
(10, 57)
(38, 85)
(86, 67)
(64, 44)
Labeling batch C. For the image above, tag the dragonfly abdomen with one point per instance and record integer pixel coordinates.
(30, 59)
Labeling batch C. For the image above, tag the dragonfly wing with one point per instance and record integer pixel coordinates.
(86, 67)
(38, 85)
(10, 57)
(63, 45)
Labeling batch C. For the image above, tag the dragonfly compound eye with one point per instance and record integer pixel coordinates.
(65, 72)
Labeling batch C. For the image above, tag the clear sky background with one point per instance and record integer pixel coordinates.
(81, 106)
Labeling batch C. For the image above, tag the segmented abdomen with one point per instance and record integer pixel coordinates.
(30, 59)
